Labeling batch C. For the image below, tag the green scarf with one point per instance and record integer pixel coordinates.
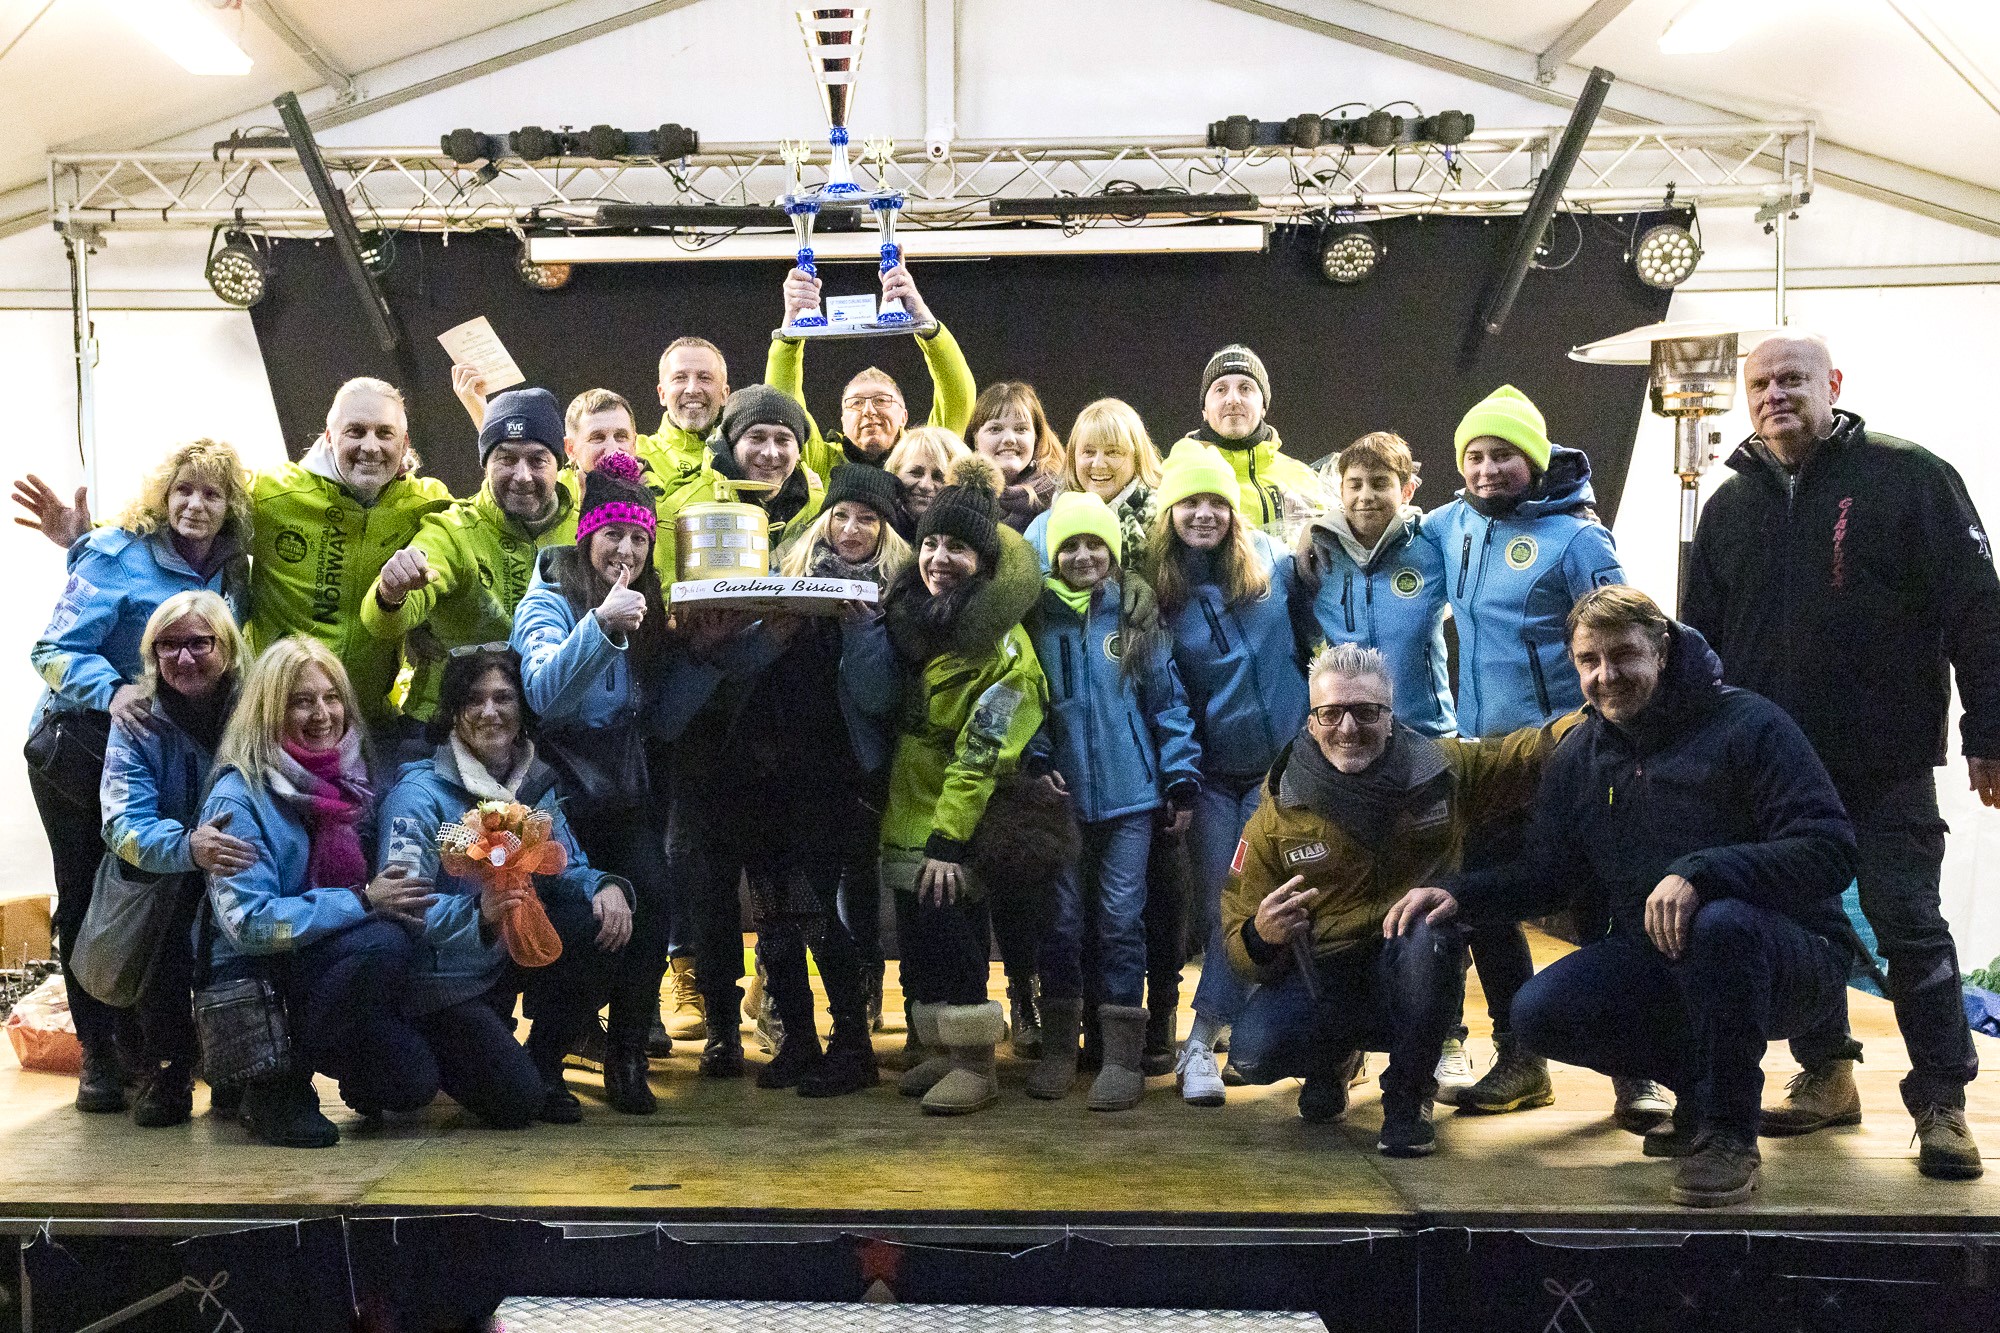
(1078, 599)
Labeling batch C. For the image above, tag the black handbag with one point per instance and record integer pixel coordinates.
(67, 749)
(130, 913)
(604, 770)
(244, 1032)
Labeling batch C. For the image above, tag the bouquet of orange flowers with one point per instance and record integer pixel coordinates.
(501, 846)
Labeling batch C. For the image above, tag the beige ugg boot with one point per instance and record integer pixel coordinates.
(934, 1061)
(970, 1031)
(1120, 1083)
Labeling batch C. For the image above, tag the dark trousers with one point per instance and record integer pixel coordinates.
(1749, 976)
(341, 993)
(1017, 935)
(165, 1009)
(76, 845)
(1901, 841)
(1401, 996)
(634, 846)
(944, 949)
(563, 997)
(1167, 894)
(1500, 951)
(861, 876)
(708, 876)
(794, 895)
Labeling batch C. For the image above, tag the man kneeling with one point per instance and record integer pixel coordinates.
(1700, 843)
(1355, 812)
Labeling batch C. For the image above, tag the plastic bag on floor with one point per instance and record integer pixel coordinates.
(42, 1032)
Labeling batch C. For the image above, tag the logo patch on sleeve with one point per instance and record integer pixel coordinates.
(1306, 853)
(1236, 861)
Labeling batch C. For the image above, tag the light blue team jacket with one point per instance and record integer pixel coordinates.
(1512, 579)
(268, 907)
(1392, 599)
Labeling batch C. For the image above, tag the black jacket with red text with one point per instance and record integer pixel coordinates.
(1847, 595)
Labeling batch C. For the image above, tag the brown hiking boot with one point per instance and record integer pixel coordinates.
(1816, 1098)
(1945, 1150)
(687, 1017)
(1721, 1171)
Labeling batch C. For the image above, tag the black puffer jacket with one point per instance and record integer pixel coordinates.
(1711, 783)
(1848, 594)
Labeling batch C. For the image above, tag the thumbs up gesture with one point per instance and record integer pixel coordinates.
(622, 608)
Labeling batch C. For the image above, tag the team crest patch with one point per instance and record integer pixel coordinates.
(291, 546)
(1305, 854)
(1521, 552)
(1236, 861)
(1114, 646)
(1406, 582)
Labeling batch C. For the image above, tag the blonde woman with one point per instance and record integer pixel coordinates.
(1225, 594)
(151, 792)
(185, 531)
(1110, 456)
(306, 912)
(921, 463)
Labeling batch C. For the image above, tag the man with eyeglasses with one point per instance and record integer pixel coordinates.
(1702, 851)
(459, 579)
(872, 411)
(1845, 575)
(1358, 810)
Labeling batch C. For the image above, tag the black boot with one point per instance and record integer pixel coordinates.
(100, 1090)
(625, 1085)
(1023, 1024)
(849, 1062)
(1162, 1009)
(798, 1054)
(722, 1053)
(166, 1097)
(284, 1112)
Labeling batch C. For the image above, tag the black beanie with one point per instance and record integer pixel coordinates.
(518, 415)
(968, 509)
(1236, 359)
(863, 484)
(761, 405)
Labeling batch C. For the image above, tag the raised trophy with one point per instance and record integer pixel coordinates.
(833, 44)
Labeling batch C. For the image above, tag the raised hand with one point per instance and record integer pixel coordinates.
(469, 387)
(60, 523)
(898, 285)
(623, 608)
(802, 292)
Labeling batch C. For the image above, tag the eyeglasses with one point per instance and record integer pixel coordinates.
(474, 649)
(194, 648)
(1367, 715)
(871, 402)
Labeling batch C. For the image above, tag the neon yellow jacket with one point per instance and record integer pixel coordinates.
(953, 391)
(314, 555)
(671, 450)
(1272, 482)
(481, 561)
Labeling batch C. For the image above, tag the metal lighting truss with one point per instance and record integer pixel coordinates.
(1493, 171)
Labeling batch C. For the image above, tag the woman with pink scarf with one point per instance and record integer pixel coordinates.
(307, 914)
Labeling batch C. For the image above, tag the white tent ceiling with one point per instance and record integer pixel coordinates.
(1899, 88)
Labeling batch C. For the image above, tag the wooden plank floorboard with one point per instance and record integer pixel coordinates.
(730, 1152)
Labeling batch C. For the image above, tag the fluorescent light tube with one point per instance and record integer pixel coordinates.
(183, 29)
(1706, 26)
(969, 243)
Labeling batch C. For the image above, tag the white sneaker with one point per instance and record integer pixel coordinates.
(1454, 1071)
(1199, 1078)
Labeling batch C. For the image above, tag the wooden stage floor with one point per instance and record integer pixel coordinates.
(725, 1153)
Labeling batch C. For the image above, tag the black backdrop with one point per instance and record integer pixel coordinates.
(1390, 353)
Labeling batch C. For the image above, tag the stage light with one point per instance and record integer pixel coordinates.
(1446, 127)
(532, 143)
(1236, 133)
(542, 277)
(1665, 256)
(236, 272)
(605, 142)
(1349, 254)
(1304, 131)
(1704, 27)
(465, 146)
(184, 32)
(672, 141)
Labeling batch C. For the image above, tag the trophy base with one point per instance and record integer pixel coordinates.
(871, 329)
(804, 596)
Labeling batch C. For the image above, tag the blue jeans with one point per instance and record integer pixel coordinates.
(1115, 855)
(1401, 996)
(1749, 976)
(1220, 813)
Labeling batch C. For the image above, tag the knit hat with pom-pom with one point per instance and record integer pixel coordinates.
(613, 492)
(968, 509)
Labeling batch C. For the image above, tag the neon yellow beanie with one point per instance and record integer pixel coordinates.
(1196, 468)
(1079, 513)
(1506, 414)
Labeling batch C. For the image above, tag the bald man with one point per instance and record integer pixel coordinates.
(1845, 575)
